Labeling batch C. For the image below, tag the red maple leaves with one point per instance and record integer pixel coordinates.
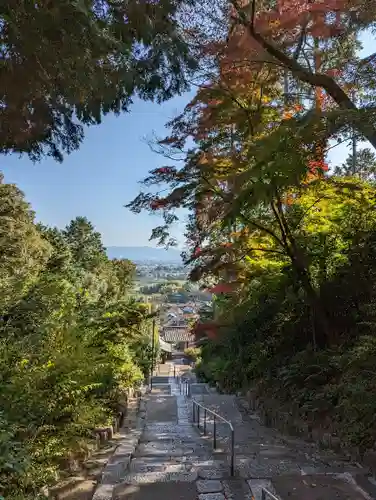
(158, 203)
(165, 170)
(222, 288)
(317, 167)
(320, 18)
(197, 252)
(210, 329)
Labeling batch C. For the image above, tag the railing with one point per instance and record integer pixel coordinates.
(184, 387)
(196, 410)
(267, 495)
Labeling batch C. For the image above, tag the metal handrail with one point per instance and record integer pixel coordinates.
(196, 413)
(266, 494)
(184, 386)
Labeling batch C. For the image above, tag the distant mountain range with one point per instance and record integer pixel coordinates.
(145, 254)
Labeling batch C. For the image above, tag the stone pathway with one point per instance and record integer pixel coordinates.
(289, 468)
(172, 459)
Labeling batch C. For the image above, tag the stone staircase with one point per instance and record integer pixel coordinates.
(289, 468)
(171, 459)
(168, 457)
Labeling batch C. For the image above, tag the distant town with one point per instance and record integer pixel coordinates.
(179, 302)
(156, 271)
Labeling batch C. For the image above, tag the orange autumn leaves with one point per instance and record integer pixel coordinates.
(318, 166)
(292, 111)
(320, 18)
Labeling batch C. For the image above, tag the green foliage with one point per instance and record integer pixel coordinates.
(107, 52)
(268, 327)
(166, 287)
(85, 244)
(23, 252)
(291, 245)
(193, 353)
(361, 164)
(72, 342)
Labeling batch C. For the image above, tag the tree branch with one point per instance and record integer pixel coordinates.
(313, 79)
(300, 42)
(243, 108)
(263, 229)
(306, 211)
(268, 250)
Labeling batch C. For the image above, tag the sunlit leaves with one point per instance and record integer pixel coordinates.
(72, 340)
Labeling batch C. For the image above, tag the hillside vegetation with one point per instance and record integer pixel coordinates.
(285, 229)
(71, 343)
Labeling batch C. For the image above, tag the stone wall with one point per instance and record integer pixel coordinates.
(287, 420)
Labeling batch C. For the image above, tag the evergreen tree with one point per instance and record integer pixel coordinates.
(85, 244)
(362, 166)
(23, 251)
(66, 64)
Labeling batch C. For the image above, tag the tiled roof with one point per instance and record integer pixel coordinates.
(176, 334)
(176, 323)
(222, 288)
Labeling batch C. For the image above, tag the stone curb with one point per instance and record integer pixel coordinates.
(120, 460)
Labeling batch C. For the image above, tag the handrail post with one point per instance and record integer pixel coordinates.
(215, 434)
(266, 494)
(196, 421)
(232, 468)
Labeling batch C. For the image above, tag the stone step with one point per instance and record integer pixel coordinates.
(366, 483)
(318, 487)
(172, 473)
(196, 389)
(236, 489)
(158, 489)
(223, 404)
(257, 485)
(171, 429)
(173, 459)
(172, 452)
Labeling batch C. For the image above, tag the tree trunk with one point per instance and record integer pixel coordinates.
(323, 337)
(322, 80)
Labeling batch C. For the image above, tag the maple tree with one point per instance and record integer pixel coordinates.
(268, 221)
(315, 44)
(232, 181)
(311, 47)
(260, 128)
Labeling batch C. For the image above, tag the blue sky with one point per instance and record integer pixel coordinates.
(98, 179)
